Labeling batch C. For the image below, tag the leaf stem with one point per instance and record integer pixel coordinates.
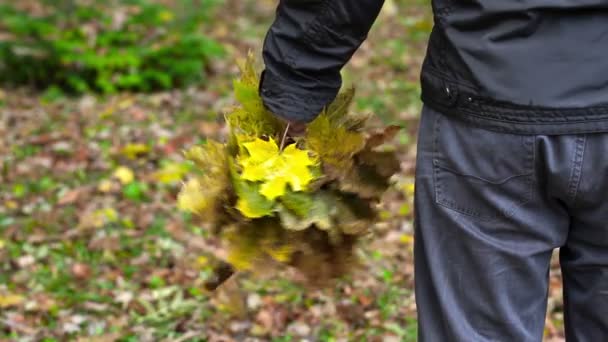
(284, 137)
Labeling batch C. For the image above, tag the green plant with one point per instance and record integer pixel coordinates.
(106, 46)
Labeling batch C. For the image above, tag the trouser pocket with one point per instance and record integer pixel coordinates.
(480, 173)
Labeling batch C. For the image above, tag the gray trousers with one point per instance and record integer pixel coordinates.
(490, 208)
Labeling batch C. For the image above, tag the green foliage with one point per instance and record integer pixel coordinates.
(335, 145)
(293, 217)
(251, 202)
(105, 46)
(251, 118)
(134, 191)
(298, 202)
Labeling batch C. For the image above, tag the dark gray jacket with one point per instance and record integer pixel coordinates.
(526, 66)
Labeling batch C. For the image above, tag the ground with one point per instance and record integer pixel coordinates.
(92, 247)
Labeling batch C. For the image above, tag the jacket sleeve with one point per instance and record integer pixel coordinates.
(305, 49)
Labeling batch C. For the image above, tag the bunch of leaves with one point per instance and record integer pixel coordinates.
(302, 202)
(106, 46)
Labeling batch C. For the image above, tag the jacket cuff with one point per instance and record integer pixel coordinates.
(292, 103)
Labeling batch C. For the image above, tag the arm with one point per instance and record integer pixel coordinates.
(305, 49)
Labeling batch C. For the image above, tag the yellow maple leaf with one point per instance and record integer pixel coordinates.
(124, 175)
(274, 188)
(276, 169)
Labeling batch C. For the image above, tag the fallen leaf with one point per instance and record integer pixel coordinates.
(81, 271)
(124, 175)
(71, 196)
(10, 300)
(105, 186)
(9, 204)
(406, 239)
(132, 151)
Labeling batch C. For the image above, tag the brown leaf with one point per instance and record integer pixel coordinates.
(365, 182)
(138, 114)
(365, 300)
(221, 273)
(383, 136)
(81, 271)
(386, 164)
(72, 196)
(265, 319)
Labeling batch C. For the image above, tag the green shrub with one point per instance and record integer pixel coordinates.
(106, 46)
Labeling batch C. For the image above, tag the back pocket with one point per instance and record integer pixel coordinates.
(481, 173)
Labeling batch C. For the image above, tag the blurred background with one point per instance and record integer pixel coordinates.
(97, 101)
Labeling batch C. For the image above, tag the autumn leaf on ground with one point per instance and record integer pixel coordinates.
(132, 151)
(124, 174)
(8, 300)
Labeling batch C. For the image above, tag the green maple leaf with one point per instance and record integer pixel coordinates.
(250, 202)
(335, 145)
(338, 112)
(251, 117)
(320, 213)
(300, 203)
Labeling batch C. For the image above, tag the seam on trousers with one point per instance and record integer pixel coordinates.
(436, 131)
(577, 166)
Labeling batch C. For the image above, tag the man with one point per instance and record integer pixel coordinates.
(512, 153)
